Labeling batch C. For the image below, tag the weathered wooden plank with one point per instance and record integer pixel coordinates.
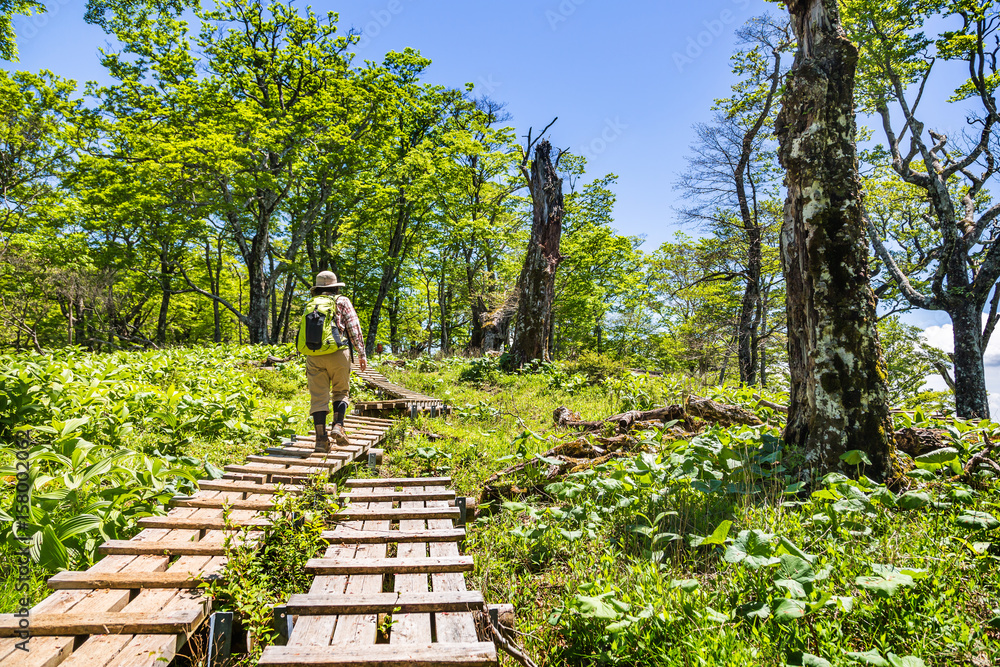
(258, 504)
(390, 565)
(478, 654)
(355, 629)
(392, 536)
(163, 548)
(126, 580)
(301, 470)
(198, 523)
(382, 496)
(409, 626)
(96, 623)
(331, 460)
(309, 604)
(452, 627)
(397, 514)
(251, 487)
(399, 481)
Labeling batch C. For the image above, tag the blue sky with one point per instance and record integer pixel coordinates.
(626, 79)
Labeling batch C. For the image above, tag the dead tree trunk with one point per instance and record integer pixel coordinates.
(838, 390)
(536, 284)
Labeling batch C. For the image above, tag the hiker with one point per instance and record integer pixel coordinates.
(329, 333)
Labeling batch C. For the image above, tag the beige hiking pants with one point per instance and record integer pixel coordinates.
(329, 377)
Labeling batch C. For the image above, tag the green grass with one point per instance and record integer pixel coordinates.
(602, 568)
(610, 598)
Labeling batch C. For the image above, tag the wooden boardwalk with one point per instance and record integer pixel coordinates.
(411, 573)
(395, 397)
(138, 606)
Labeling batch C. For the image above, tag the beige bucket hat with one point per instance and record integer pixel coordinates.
(328, 279)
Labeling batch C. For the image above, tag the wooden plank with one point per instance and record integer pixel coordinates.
(288, 471)
(331, 460)
(410, 627)
(96, 623)
(308, 604)
(163, 548)
(399, 481)
(354, 629)
(198, 523)
(250, 487)
(397, 514)
(126, 580)
(392, 536)
(390, 565)
(260, 504)
(409, 494)
(478, 654)
(452, 627)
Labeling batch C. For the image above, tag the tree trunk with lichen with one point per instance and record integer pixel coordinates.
(838, 396)
(536, 285)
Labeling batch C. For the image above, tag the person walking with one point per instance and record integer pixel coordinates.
(327, 333)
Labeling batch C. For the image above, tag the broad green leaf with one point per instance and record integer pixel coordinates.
(686, 585)
(913, 500)
(921, 474)
(974, 520)
(855, 457)
(870, 657)
(800, 659)
(905, 661)
(718, 535)
(754, 610)
(885, 586)
(754, 547)
(72, 425)
(938, 456)
(52, 553)
(81, 523)
(795, 588)
(789, 610)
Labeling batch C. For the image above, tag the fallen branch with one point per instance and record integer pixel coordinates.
(695, 407)
(982, 458)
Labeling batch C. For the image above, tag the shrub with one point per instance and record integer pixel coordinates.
(596, 367)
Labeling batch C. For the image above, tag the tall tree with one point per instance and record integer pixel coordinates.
(732, 169)
(954, 262)
(536, 284)
(838, 398)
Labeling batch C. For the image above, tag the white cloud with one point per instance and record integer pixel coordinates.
(943, 337)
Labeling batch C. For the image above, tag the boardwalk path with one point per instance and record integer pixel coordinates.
(394, 552)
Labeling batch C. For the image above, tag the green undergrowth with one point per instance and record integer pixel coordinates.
(109, 438)
(709, 551)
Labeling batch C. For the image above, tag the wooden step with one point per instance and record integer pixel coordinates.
(122, 580)
(195, 523)
(344, 535)
(309, 454)
(478, 654)
(250, 487)
(163, 548)
(400, 481)
(105, 623)
(331, 460)
(296, 471)
(385, 496)
(384, 603)
(366, 514)
(257, 504)
(390, 565)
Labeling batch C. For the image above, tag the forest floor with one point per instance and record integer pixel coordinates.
(682, 544)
